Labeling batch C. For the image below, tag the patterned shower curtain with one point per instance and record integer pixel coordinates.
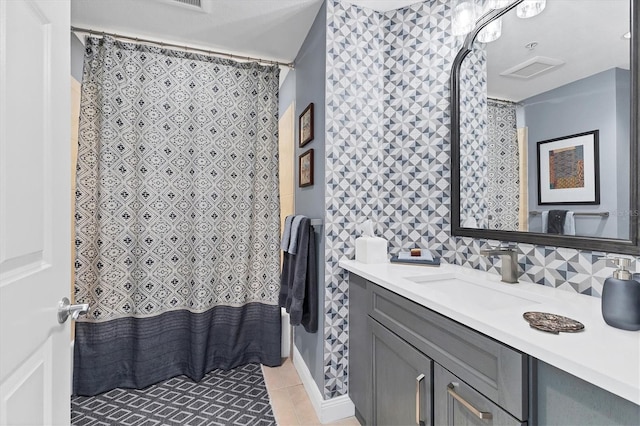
(177, 216)
(503, 165)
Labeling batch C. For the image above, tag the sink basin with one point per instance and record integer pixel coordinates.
(452, 289)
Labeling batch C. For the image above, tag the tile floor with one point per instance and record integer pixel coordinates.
(291, 405)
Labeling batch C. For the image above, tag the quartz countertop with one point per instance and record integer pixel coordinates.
(602, 355)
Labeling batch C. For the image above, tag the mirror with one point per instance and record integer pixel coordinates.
(544, 147)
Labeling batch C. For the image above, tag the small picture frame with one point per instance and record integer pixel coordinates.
(305, 126)
(568, 170)
(305, 169)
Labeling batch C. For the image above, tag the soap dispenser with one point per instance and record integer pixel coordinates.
(621, 297)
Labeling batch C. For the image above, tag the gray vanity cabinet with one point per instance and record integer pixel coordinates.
(404, 358)
(402, 381)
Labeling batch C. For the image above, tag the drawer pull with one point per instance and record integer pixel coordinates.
(484, 415)
(419, 380)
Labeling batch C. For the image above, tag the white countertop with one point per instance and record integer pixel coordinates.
(602, 355)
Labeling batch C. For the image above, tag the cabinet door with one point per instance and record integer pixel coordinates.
(360, 348)
(458, 404)
(402, 381)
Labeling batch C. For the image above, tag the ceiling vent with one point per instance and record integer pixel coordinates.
(192, 3)
(532, 67)
(195, 5)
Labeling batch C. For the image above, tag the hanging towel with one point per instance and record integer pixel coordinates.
(286, 235)
(295, 225)
(560, 222)
(299, 281)
(569, 224)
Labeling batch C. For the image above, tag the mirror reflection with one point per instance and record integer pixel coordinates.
(545, 123)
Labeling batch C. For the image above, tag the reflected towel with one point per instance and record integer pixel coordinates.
(568, 223)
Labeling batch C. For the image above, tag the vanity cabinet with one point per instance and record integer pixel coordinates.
(403, 355)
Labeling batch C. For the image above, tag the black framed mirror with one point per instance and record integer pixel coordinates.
(539, 128)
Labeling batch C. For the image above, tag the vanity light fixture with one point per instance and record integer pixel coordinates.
(530, 8)
(497, 4)
(491, 32)
(627, 35)
(464, 15)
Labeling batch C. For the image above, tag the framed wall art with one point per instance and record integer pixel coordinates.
(305, 169)
(305, 125)
(568, 170)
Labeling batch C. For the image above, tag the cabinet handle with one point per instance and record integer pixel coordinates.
(419, 380)
(484, 415)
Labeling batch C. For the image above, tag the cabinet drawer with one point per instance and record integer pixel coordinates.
(492, 368)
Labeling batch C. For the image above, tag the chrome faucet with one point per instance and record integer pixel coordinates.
(509, 261)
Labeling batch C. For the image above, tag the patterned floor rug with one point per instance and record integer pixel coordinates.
(234, 397)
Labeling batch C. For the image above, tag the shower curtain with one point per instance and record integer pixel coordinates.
(177, 216)
(503, 176)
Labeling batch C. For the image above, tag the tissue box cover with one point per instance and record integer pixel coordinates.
(371, 250)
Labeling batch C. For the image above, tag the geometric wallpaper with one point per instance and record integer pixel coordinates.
(474, 144)
(387, 155)
(387, 146)
(354, 163)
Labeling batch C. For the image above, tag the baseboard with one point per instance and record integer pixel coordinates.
(285, 342)
(327, 410)
(73, 342)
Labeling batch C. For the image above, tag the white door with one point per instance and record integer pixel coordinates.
(34, 211)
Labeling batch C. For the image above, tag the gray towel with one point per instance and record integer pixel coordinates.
(555, 221)
(286, 235)
(569, 222)
(293, 242)
(299, 281)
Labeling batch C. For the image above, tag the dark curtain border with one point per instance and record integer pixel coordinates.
(138, 352)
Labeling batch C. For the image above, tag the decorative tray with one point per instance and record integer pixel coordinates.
(552, 323)
(429, 262)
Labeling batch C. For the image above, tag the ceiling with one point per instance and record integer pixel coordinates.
(586, 36)
(265, 29)
(383, 5)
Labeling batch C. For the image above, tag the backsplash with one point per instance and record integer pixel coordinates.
(580, 271)
(388, 159)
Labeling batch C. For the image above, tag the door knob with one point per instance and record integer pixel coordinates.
(65, 308)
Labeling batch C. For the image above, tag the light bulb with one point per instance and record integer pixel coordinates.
(530, 8)
(464, 14)
(497, 4)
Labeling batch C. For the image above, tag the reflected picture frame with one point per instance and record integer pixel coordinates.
(305, 169)
(569, 170)
(305, 126)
